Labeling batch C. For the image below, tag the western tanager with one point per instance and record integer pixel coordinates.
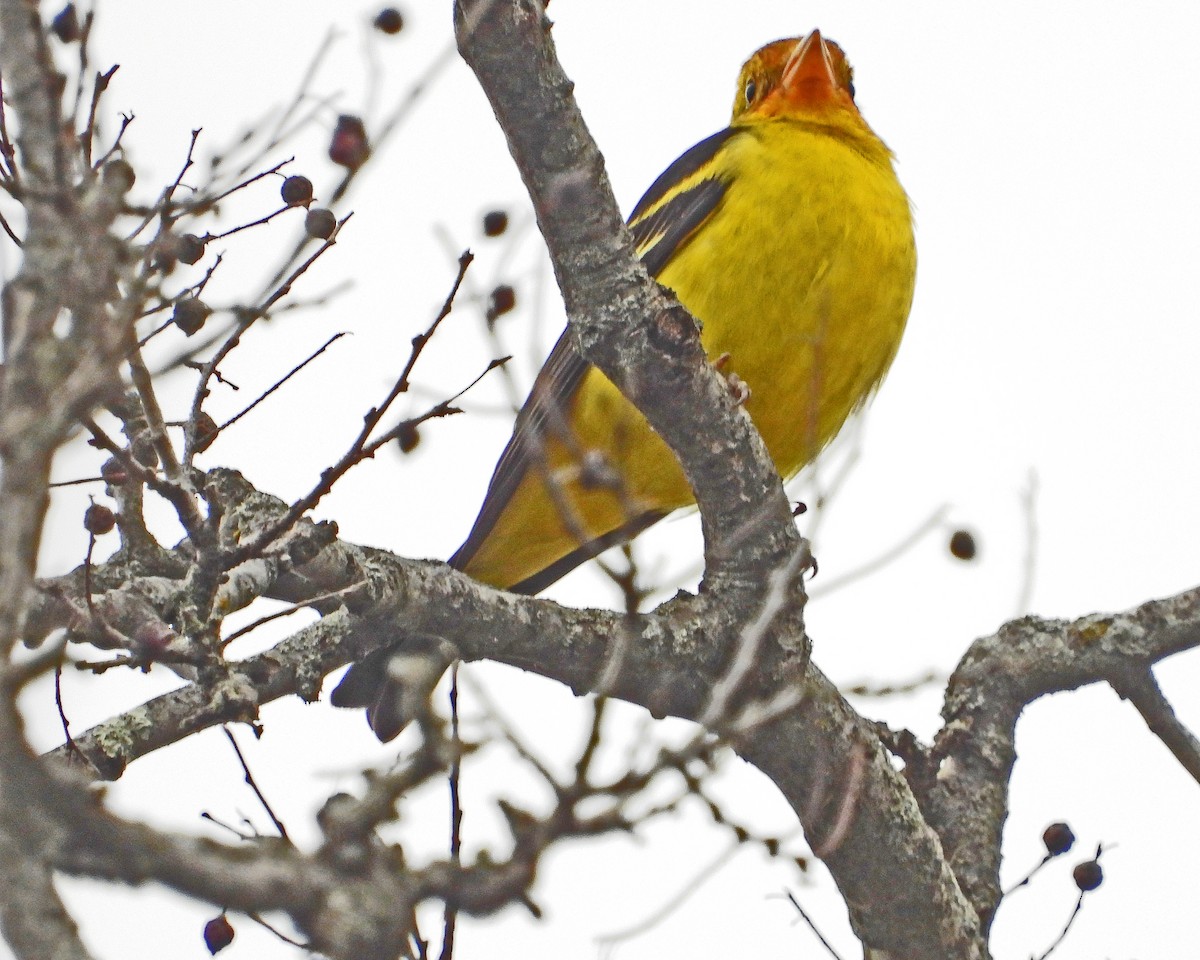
(788, 236)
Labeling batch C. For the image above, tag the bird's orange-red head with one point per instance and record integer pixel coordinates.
(803, 76)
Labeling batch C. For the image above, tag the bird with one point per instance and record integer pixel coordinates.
(788, 236)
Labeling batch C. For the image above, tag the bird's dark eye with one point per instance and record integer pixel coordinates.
(850, 87)
(751, 89)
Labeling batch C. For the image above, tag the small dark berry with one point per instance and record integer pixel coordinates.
(349, 147)
(188, 248)
(1058, 839)
(1088, 875)
(962, 545)
(502, 300)
(206, 432)
(119, 174)
(114, 472)
(297, 191)
(389, 21)
(495, 223)
(408, 437)
(218, 934)
(162, 255)
(190, 314)
(320, 222)
(99, 519)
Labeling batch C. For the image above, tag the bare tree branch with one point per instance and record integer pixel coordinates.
(996, 679)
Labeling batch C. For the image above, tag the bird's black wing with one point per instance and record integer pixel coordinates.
(659, 228)
(546, 407)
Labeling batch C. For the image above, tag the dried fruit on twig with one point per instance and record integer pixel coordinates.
(99, 520)
(206, 432)
(188, 248)
(1088, 875)
(389, 21)
(962, 545)
(1058, 839)
(297, 191)
(349, 146)
(501, 301)
(218, 934)
(320, 222)
(190, 314)
(495, 222)
(119, 174)
(407, 436)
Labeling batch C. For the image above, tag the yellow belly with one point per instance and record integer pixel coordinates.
(803, 276)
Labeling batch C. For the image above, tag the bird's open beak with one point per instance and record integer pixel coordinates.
(810, 63)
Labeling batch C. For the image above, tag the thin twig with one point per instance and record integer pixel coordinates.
(207, 203)
(244, 323)
(126, 120)
(443, 408)
(7, 151)
(249, 777)
(164, 200)
(289, 610)
(99, 85)
(9, 230)
(583, 765)
(1071, 919)
(282, 380)
(62, 714)
(81, 71)
(450, 914)
(279, 933)
(812, 926)
(246, 226)
(1024, 881)
(358, 448)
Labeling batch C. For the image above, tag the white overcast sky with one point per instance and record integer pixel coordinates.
(1050, 152)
